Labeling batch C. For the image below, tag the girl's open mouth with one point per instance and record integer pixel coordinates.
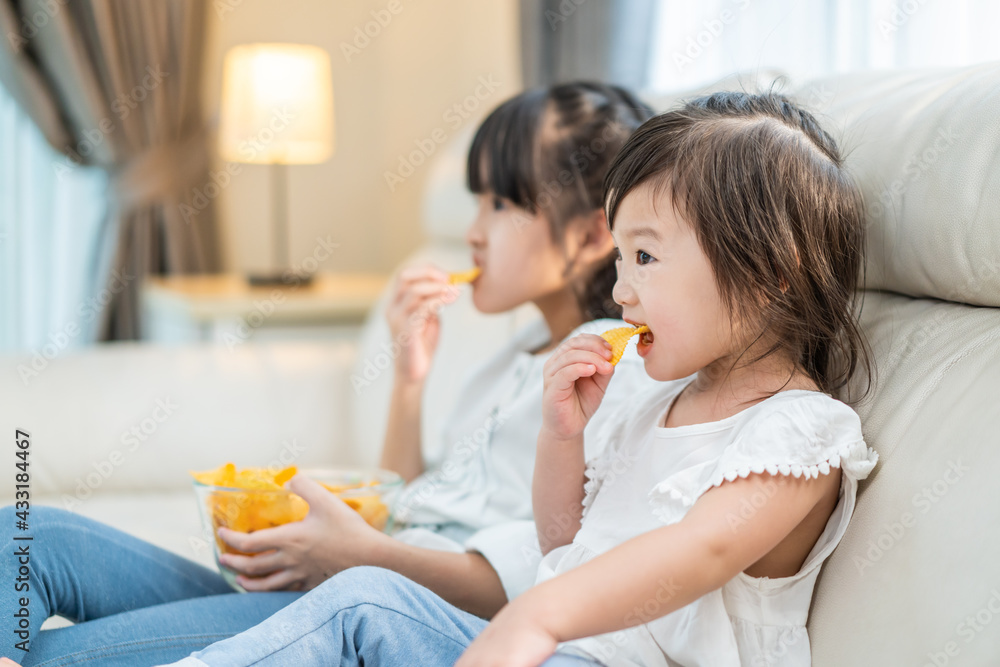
(644, 343)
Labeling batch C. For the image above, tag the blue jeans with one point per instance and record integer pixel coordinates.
(365, 615)
(136, 604)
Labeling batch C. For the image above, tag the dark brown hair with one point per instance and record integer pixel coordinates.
(776, 214)
(547, 151)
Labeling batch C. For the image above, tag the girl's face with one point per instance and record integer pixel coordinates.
(665, 281)
(519, 260)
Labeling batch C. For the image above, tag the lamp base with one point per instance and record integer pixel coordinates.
(287, 279)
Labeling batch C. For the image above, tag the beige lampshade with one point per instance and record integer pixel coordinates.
(277, 105)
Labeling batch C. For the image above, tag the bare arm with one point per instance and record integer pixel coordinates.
(466, 580)
(557, 489)
(653, 574)
(412, 315)
(576, 377)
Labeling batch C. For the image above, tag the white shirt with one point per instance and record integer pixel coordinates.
(649, 476)
(483, 483)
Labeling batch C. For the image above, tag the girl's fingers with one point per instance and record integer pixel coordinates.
(421, 306)
(422, 290)
(427, 288)
(577, 356)
(594, 344)
(586, 357)
(254, 566)
(417, 271)
(591, 342)
(568, 375)
(273, 582)
(415, 274)
(255, 542)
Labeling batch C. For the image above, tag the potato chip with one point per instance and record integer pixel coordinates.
(285, 475)
(619, 338)
(462, 277)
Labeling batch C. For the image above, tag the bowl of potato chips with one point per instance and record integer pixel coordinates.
(252, 499)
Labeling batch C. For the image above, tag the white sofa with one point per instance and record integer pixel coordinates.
(917, 578)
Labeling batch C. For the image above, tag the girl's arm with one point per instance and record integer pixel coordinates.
(654, 574)
(576, 377)
(557, 489)
(412, 315)
(466, 580)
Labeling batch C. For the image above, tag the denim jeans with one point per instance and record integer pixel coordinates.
(136, 604)
(362, 616)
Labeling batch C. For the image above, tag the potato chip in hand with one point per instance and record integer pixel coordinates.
(619, 338)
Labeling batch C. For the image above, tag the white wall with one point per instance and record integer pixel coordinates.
(396, 90)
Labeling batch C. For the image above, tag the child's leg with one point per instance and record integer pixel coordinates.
(364, 615)
(82, 569)
(154, 635)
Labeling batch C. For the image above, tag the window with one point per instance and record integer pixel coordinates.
(697, 43)
(51, 221)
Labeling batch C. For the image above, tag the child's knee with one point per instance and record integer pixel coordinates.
(368, 585)
(366, 578)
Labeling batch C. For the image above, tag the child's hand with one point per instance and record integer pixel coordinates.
(576, 377)
(510, 640)
(413, 318)
(303, 554)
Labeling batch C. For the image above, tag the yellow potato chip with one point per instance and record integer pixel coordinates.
(619, 338)
(462, 277)
(222, 476)
(285, 475)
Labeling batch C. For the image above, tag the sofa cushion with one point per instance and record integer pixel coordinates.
(923, 145)
(920, 556)
(138, 417)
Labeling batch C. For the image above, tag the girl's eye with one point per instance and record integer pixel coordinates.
(643, 257)
(618, 255)
(498, 204)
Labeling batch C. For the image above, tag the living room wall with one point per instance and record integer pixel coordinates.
(399, 69)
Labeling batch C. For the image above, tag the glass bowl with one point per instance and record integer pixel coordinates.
(371, 493)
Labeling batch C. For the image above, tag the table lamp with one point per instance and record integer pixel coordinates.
(277, 109)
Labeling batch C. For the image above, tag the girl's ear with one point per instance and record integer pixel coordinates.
(593, 238)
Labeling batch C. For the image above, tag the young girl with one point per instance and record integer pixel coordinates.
(537, 165)
(696, 536)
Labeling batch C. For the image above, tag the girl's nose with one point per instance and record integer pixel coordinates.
(474, 234)
(622, 293)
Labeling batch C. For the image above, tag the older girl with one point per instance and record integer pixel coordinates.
(537, 165)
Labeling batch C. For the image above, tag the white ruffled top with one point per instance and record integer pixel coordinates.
(649, 476)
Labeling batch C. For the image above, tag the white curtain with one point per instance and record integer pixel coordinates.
(699, 42)
(51, 216)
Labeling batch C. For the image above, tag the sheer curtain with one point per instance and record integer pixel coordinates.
(700, 42)
(50, 238)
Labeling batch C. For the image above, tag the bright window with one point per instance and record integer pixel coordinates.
(51, 219)
(699, 42)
